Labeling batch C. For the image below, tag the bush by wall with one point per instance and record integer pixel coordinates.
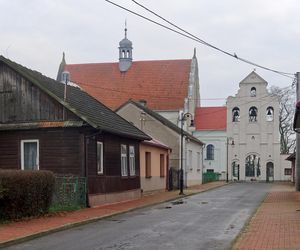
(25, 193)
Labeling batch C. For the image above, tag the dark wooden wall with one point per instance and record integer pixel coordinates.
(60, 149)
(111, 180)
(22, 101)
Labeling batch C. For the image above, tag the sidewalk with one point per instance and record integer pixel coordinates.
(28, 229)
(276, 224)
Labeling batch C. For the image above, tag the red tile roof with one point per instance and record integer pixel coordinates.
(163, 84)
(210, 118)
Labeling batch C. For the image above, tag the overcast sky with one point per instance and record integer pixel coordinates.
(36, 32)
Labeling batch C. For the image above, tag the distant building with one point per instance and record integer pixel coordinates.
(210, 125)
(169, 134)
(253, 132)
(168, 86)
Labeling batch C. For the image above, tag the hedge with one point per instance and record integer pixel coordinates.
(25, 193)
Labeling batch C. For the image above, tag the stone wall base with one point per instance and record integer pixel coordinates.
(101, 199)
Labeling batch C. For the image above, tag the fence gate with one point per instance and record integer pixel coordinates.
(69, 193)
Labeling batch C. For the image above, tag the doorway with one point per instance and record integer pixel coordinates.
(270, 172)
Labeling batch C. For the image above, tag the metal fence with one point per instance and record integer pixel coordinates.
(209, 177)
(69, 193)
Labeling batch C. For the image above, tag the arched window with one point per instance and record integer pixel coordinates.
(253, 114)
(128, 54)
(210, 152)
(123, 54)
(236, 114)
(270, 114)
(253, 166)
(253, 92)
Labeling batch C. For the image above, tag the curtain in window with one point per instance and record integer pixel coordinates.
(30, 156)
(132, 160)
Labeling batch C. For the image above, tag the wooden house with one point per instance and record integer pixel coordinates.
(45, 124)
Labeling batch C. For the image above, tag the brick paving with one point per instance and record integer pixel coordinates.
(37, 226)
(276, 224)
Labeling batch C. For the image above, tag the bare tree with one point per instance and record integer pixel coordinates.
(287, 101)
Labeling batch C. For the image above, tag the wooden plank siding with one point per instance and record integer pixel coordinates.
(22, 101)
(59, 149)
(111, 180)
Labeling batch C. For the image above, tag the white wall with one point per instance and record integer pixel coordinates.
(218, 140)
(285, 165)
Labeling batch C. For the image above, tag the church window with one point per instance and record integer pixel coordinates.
(270, 114)
(253, 114)
(210, 152)
(236, 114)
(253, 92)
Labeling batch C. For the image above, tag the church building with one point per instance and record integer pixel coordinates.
(253, 132)
(168, 87)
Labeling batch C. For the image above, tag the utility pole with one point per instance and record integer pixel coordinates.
(297, 167)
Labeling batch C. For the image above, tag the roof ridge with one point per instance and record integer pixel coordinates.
(138, 61)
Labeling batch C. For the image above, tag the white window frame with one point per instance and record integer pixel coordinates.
(37, 155)
(132, 169)
(124, 169)
(101, 157)
(198, 161)
(190, 159)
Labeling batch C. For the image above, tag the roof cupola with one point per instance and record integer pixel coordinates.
(125, 53)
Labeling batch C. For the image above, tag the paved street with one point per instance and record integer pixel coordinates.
(209, 220)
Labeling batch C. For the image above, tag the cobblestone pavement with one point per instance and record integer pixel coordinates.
(31, 228)
(276, 224)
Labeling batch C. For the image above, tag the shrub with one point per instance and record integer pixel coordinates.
(25, 193)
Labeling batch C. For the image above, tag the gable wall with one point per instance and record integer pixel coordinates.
(22, 101)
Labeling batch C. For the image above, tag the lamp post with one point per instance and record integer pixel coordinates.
(231, 141)
(183, 118)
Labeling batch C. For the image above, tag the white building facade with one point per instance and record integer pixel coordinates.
(253, 132)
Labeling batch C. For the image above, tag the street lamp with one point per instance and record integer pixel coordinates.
(230, 141)
(183, 118)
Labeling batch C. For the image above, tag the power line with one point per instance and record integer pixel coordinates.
(195, 38)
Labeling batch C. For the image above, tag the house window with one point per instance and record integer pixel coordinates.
(198, 161)
(253, 114)
(190, 160)
(210, 171)
(210, 152)
(270, 114)
(162, 165)
(148, 164)
(131, 161)
(236, 114)
(124, 169)
(30, 154)
(287, 171)
(253, 92)
(99, 157)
